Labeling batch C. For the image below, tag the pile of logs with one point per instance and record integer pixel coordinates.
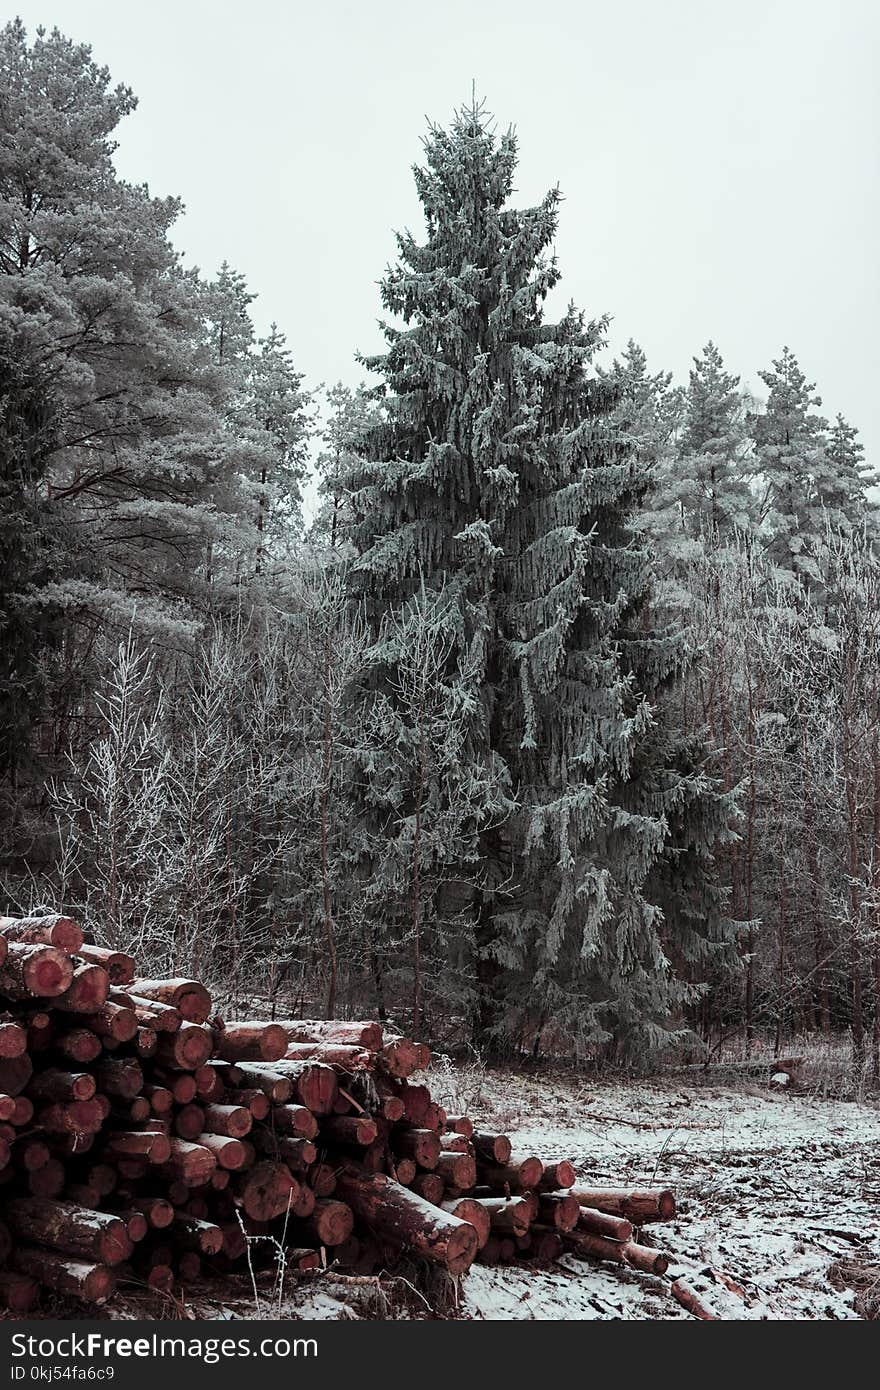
(144, 1140)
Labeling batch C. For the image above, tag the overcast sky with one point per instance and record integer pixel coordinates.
(718, 160)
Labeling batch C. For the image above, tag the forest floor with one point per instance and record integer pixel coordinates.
(778, 1204)
(778, 1209)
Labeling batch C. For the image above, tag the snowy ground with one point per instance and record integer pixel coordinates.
(778, 1197)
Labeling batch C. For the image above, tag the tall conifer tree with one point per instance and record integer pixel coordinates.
(499, 478)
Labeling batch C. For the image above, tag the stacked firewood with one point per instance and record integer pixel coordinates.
(143, 1139)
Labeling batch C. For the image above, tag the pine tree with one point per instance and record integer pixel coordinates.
(500, 479)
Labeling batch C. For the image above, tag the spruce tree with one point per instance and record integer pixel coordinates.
(500, 479)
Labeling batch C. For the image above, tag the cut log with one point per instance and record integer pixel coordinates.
(231, 1154)
(356, 1131)
(235, 1121)
(146, 1144)
(401, 1057)
(189, 1121)
(35, 972)
(160, 1098)
(13, 1040)
(422, 1145)
(86, 992)
(600, 1223)
(190, 1233)
(636, 1204)
(458, 1170)
(158, 1212)
(190, 1163)
(256, 1101)
(303, 1202)
(359, 1034)
(64, 1226)
(188, 1049)
(93, 1283)
(472, 1211)
(430, 1187)
(460, 1124)
(560, 1212)
(120, 1077)
(518, 1175)
(322, 1180)
(331, 1222)
(511, 1216)
(492, 1148)
(276, 1087)
(250, 1042)
(692, 1301)
(314, 1084)
(54, 1084)
(620, 1252)
(15, 1073)
(295, 1120)
(114, 1021)
(556, 1176)
(79, 1045)
(71, 1117)
(119, 966)
(150, 1013)
(399, 1215)
(267, 1190)
(416, 1100)
(51, 930)
(191, 999)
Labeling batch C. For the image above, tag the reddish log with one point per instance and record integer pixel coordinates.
(250, 1042)
(359, 1034)
(150, 1013)
(188, 1123)
(120, 1077)
(460, 1124)
(235, 1121)
(31, 1154)
(322, 1180)
(231, 1154)
(400, 1057)
(508, 1217)
(620, 1252)
(72, 1229)
(190, 1233)
(314, 1085)
(303, 1202)
(637, 1205)
(298, 1154)
(15, 1073)
(86, 992)
(456, 1144)
(192, 1164)
(600, 1223)
(423, 1145)
(54, 1084)
(190, 998)
(518, 1175)
(113, 1021)
(349, 1130)
(558, 1211)
(416, 1100)
(275, 1086)
(158, 1212)
(267, 1190)
(48, 1180)
(557, 1176)
(295, 1120)
(691, 1300)
(492, 1148)
(397, 1214)
(35, 972)
(79, 1045)
(472, 1211)
(160, 1098)
(51, 930)
(145, 1144)
(545, 1246)
(430, 1187)
(457, 1170)
(256, 1101)
(331, 1222)
(71, 1117)
(188, 1049)
(13, 1040)
(119, 966)
(345, 1059)
(93, 1283)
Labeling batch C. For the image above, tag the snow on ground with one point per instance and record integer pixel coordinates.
(778, 1196)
